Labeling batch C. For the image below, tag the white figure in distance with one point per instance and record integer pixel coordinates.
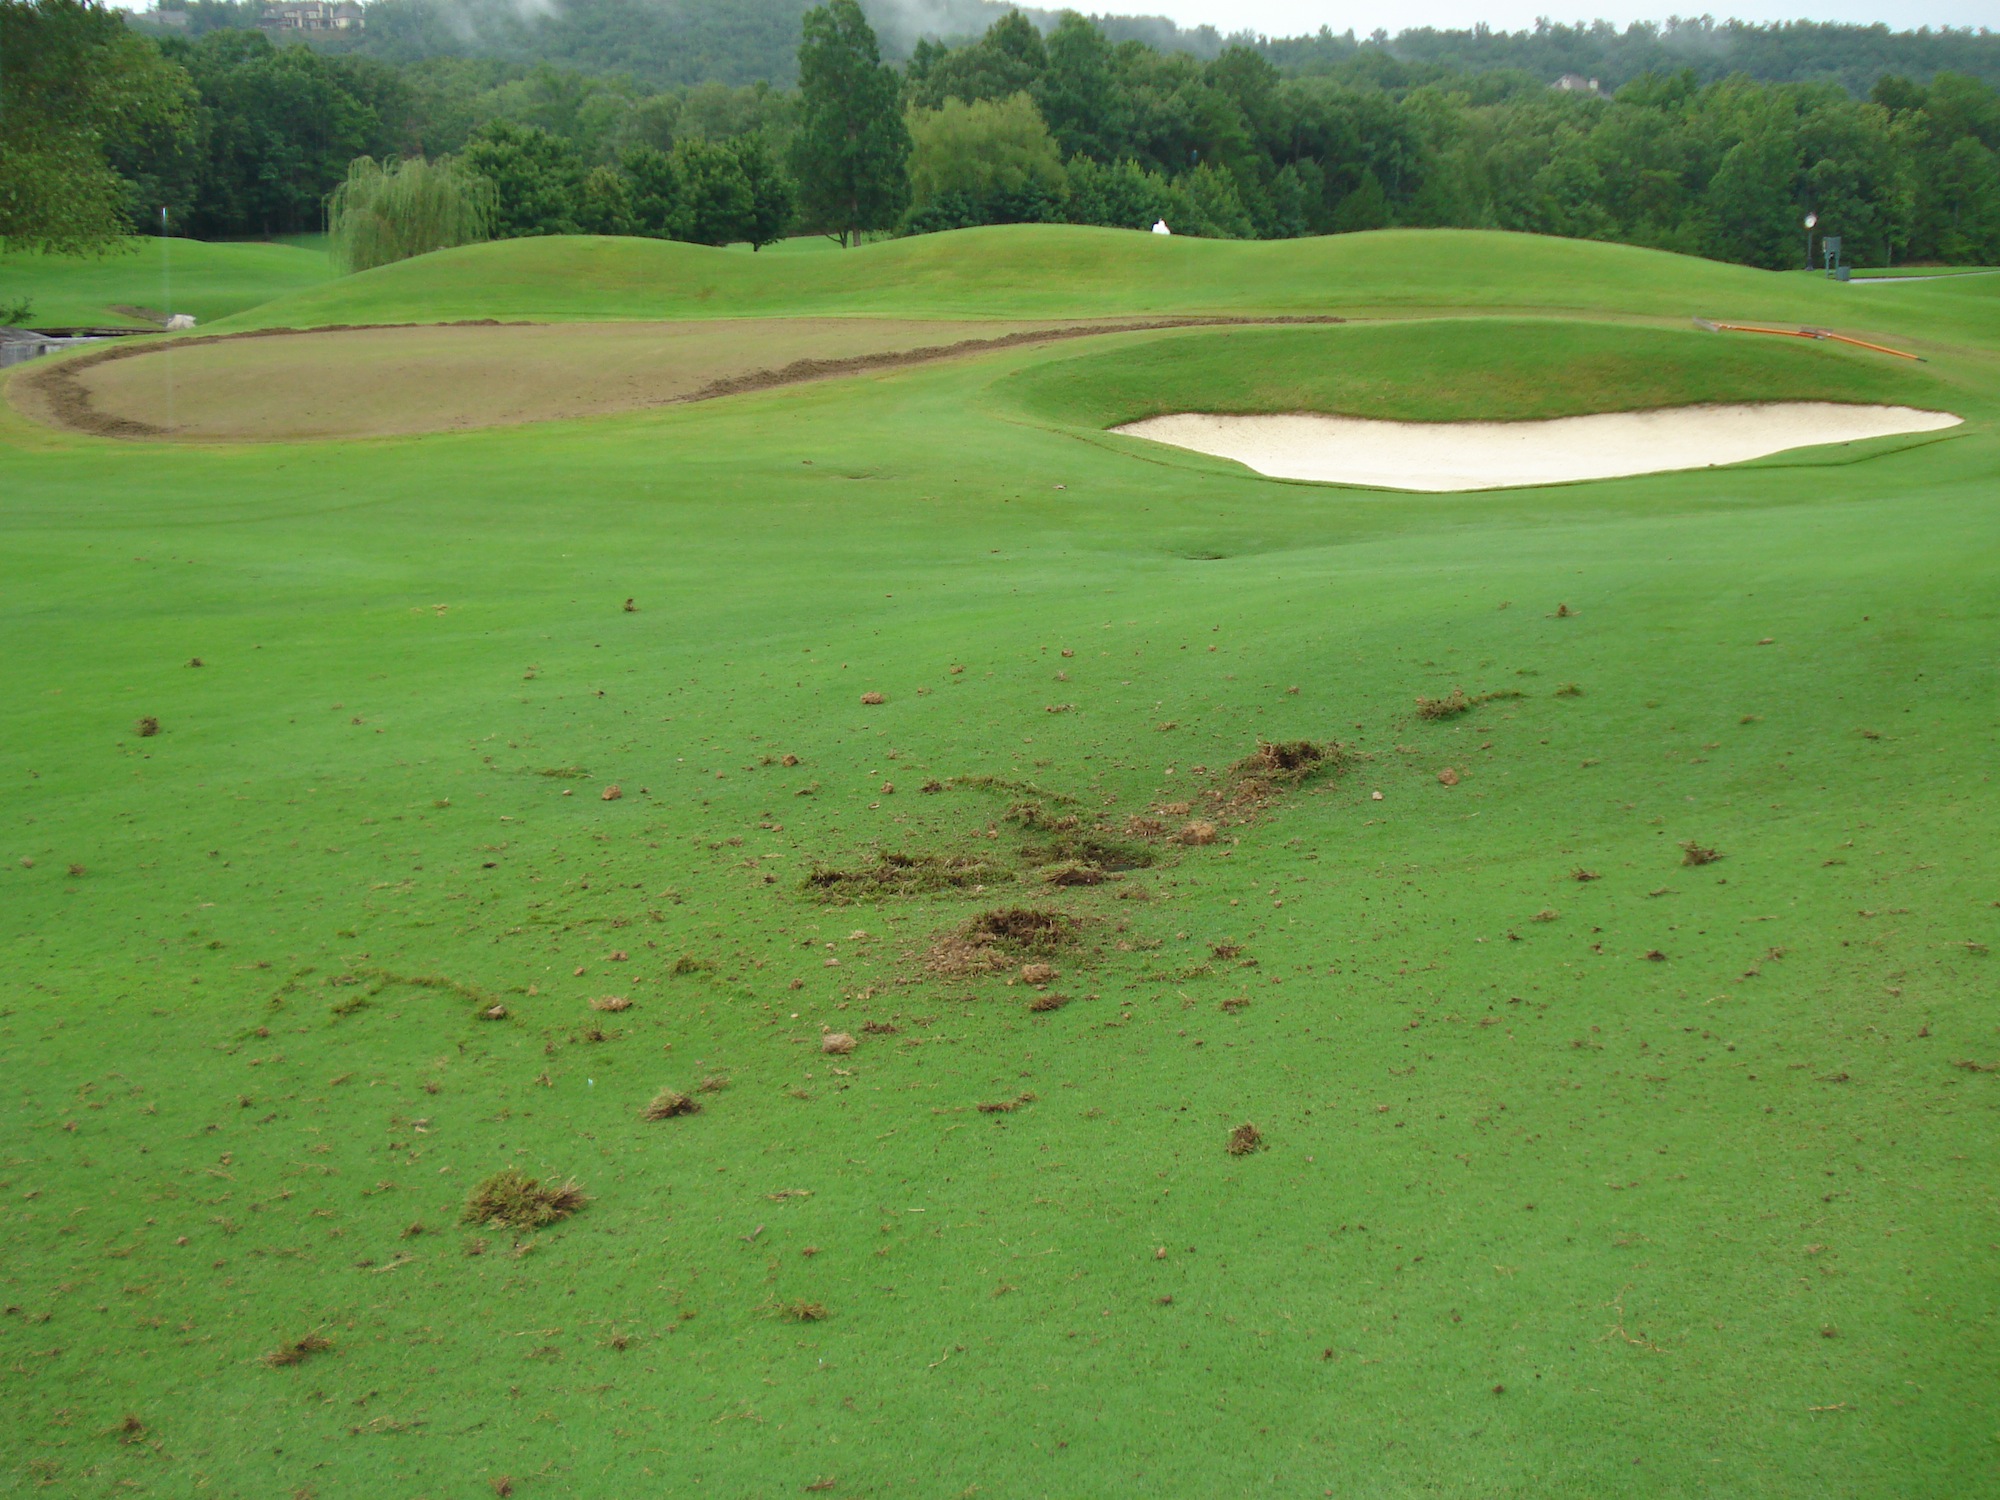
(1160, 227)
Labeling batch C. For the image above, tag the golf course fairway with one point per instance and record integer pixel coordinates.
(1021, 961)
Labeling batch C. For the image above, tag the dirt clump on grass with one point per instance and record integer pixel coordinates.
(905, 875)
(1244, 1139)
(146, 727)
(1042, 1004)
(1458, 702)
(1274, 768)
(837, 1043)
(999, 938)
(1073, 872)
(514, 1200)
(670, 1104)
(298, 1351)
(1693, 853)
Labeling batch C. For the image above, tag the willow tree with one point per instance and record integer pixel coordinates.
(391, 211)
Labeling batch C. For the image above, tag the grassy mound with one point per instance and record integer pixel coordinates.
(1452, 370)
(1044, 270)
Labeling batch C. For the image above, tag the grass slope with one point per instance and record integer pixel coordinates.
(1454, 370)
(1538, 1214)
(210, 281)
(1055, 270)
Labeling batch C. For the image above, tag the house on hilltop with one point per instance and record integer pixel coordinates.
(1576, 83)
(317, 17)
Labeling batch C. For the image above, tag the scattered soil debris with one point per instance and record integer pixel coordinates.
(715, 1083)
(1006, 1106)
(992, 939)
(1654, 955)
(1244, 1139)
(611, 1003)
(668, 1105)
(836, 1043)
(880, 1028)
(1071, 872)
(298, 1351)
(1236, 1004)
(1038, 974)
(1287, 763)
(1457, 702)
(1260, 777)
(1225, 951)
(1044, 1003)
(905, 875)
(1581, 875)
(1697, 854)
(802, 1311)
(513, 1200)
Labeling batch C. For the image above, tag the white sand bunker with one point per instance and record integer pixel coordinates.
(1496, 455)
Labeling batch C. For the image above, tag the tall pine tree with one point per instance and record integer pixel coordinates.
(852, 147)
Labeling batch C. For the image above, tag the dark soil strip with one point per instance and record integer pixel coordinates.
(800, 370)
(70, 404)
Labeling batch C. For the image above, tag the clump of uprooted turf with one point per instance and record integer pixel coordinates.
(1457, 702)
(514, 1200)
(1272, 769)
(670, 1104)
(1071, 851)
(298, 1351)
(999, 938)
(905, 875)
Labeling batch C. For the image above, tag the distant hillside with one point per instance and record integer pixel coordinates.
(662, 43)
(1792, 52)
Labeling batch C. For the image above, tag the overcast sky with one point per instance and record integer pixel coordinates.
(1298, 17)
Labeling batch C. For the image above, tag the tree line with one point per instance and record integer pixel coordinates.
(101, 127)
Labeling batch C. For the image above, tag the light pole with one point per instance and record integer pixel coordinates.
(1811, 219)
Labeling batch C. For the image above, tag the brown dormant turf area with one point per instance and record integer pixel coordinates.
(378, 382)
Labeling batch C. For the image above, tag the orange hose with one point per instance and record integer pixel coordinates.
(1810, 333)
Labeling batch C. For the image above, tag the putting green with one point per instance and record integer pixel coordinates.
(1617, 1033)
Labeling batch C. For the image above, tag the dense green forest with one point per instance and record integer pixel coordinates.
(750, 41)
(235, 136)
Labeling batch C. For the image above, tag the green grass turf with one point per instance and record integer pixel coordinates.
(1051, 270)
(1456, 370)
(210, 281)
(1537, 1216)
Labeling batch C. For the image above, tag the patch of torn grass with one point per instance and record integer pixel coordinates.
(513, 1200)
(894, 874)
